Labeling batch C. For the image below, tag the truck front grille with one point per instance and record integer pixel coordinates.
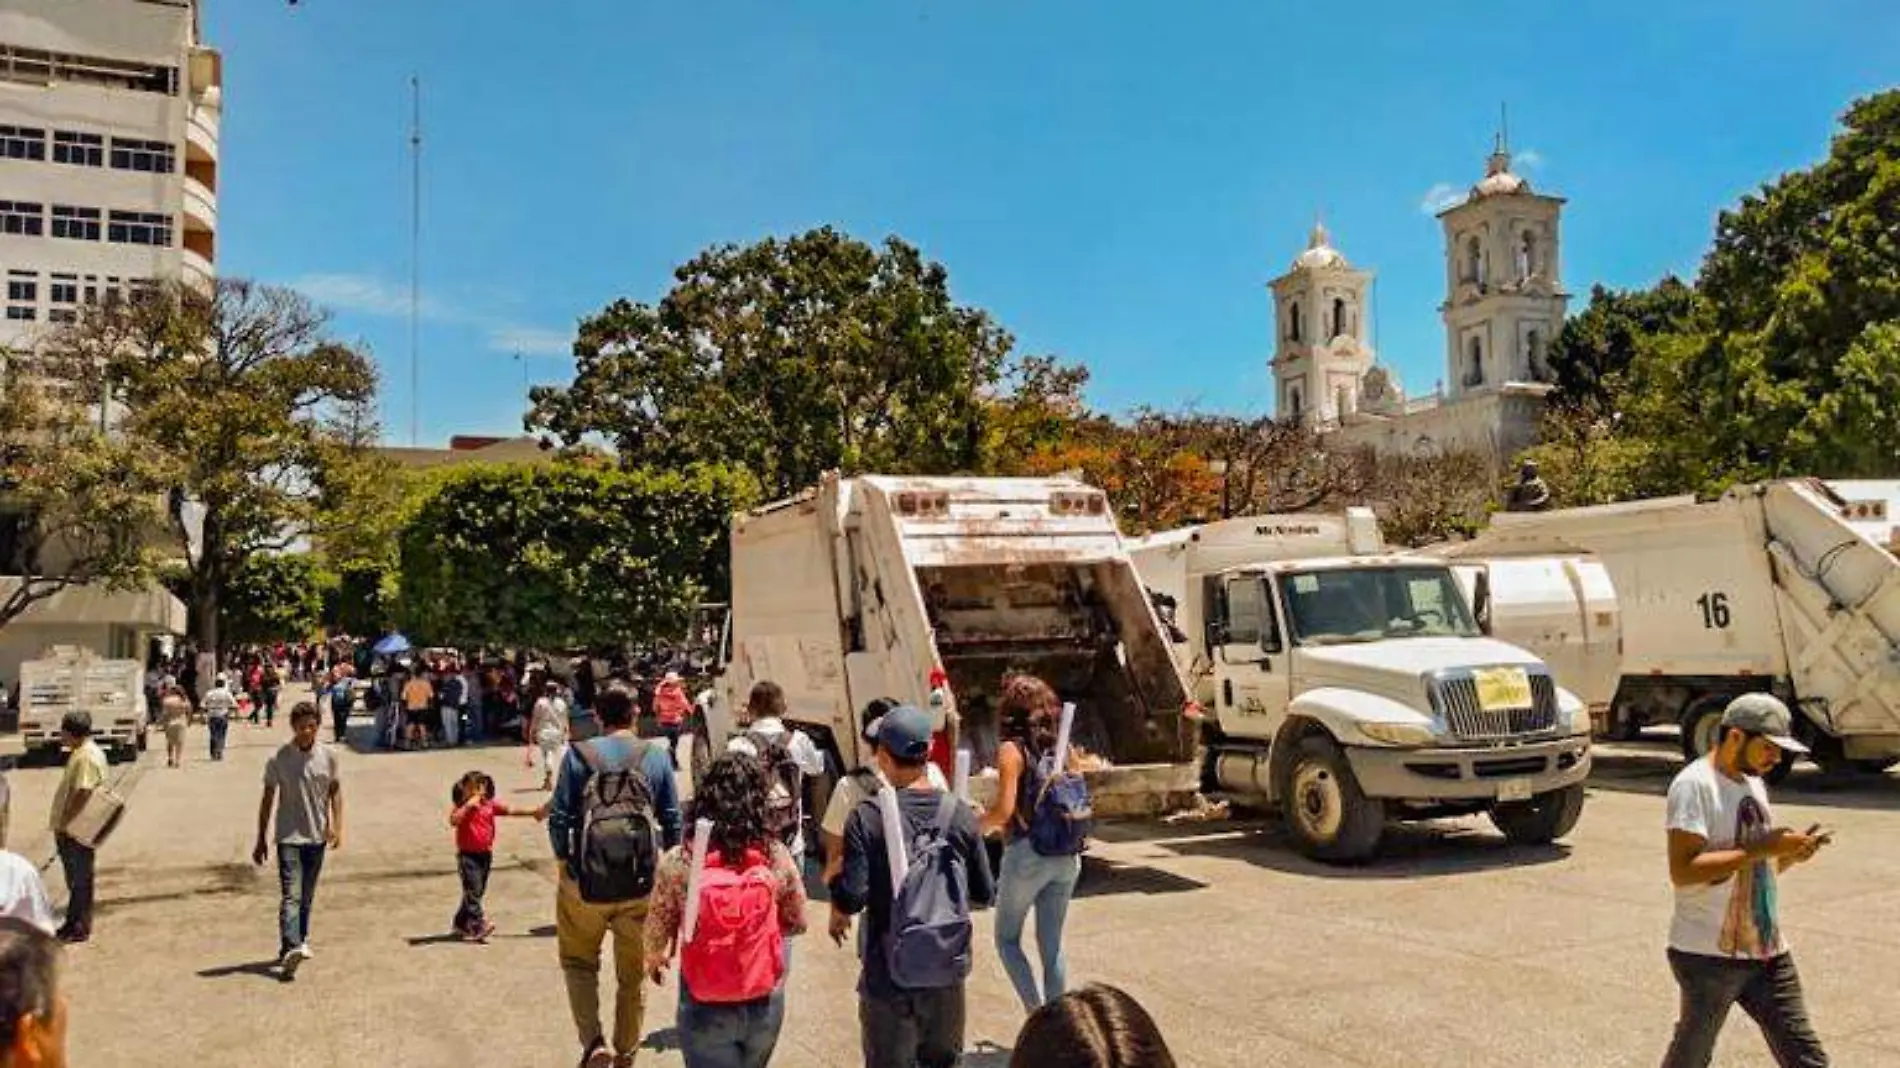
(1457, 700)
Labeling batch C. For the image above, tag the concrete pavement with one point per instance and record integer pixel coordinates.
(1456, 950)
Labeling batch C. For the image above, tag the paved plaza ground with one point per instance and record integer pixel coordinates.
(1455, 950)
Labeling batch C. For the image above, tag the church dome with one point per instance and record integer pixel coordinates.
(1498, 179)
(1319, 251)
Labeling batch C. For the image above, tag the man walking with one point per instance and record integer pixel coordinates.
(219, 704)
(1725, 853)
(911, 991)
(301, 782)
(85, 772)
(614, 793)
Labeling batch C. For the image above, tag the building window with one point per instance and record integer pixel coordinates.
(1294, 407)
(1293, 321)
(23, 294)
(1474, 364)
(79, 149)
(20, 217)
(77, 224)
(1339, 316)
(1527, 257)
(139, 228)
(36, 67)
(1474, 261)
(22, 142)
(130, 154)
(63, 295)
(1534, 353)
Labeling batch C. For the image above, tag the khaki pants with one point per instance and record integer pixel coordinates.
(579, 929)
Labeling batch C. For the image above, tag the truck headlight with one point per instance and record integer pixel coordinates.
(1398, 733)
(1577, 718)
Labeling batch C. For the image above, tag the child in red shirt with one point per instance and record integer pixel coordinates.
(473, 818)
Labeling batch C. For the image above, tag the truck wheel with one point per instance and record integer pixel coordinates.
(1328, 816)
(1541, 820)
(1625, 726)
(1700, 723)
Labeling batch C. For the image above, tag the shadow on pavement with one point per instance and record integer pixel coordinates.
(666, 1038)
(1408, 851)
(436, 939)
(261, 969)
(1106, 878)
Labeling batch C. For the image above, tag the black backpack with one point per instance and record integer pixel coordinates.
(785, 784)
(617, 846)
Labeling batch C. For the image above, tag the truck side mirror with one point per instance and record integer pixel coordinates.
(1481, 601)
(1216, 634)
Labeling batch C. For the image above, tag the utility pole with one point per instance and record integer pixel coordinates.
(415, 261)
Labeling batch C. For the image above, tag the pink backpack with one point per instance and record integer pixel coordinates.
(737, 953)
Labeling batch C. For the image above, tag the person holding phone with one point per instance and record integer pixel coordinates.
(1726, 945)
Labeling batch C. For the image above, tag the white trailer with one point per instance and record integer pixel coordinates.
(69, 679)
(929, 590)
(1789, 587)
(1350, 685)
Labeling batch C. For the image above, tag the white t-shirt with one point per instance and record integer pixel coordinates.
(1737, 917)
(850, 791)
(23, 893)
(219, 704)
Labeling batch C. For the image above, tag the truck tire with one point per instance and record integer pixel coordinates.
(1541, 820)
(1700, 721)
(1325, 812)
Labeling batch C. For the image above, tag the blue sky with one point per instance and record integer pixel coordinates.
(1114, 181)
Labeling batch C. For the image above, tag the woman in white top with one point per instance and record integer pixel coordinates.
(547, 731)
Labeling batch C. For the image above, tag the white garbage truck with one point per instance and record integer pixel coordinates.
(928, 590)
(1790, 587)
(71, 679)
(1350, 685)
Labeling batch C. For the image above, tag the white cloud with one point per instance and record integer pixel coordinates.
(364, 294)
(1528, 159)
(1441, 196)
(530, 340)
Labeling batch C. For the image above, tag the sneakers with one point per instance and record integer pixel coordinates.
(72, 936)
(293, 959)
(598, 1056)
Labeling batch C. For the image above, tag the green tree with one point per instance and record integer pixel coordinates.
(552, 556)
(1595, 348)
(274, 597)
(78, 504)
(235, 393)
(788, 358)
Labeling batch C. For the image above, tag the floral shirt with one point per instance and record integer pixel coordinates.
(666, 909)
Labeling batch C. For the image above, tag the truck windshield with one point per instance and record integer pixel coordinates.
(1372, 604)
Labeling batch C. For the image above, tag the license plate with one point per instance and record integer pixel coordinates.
(1502, 688)
(1514, 790)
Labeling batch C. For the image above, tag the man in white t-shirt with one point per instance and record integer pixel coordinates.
(789, 755)
(23, 892)
(1725, 853)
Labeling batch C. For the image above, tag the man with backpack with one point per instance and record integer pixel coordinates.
(788, 755)
(916, 949)
(614, 811)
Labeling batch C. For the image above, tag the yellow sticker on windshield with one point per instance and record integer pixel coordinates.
(1503, 687)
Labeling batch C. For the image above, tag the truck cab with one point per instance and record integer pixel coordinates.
(1356, 687)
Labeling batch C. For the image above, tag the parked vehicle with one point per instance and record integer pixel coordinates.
(1350, 685)
(928, 590)
(68, 679)
(1789, 587)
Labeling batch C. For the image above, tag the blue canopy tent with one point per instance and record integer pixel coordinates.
(391, 645)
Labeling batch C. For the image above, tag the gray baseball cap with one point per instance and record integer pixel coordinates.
(1763, 714)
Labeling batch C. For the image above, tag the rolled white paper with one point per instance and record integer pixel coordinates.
(1062, 736)
(702, 841)
(896, 843)
(963, 774)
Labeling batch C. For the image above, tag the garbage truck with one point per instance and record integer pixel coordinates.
(929, 590)
(1349, 685)
(1789, 587)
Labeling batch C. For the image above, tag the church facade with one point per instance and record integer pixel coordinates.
(1504, 303)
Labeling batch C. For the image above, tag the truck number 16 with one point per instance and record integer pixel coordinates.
(1715, 613)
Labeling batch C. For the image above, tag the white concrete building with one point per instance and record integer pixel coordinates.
(1504, 302)
(108, 154)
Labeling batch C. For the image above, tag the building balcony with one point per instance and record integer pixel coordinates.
(196, 270)
(201, 133)
(201, 205)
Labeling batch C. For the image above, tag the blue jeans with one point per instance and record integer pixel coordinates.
(219, 727)
(297, 869)
(1029, 879)
(77, 860)
(730, 1036)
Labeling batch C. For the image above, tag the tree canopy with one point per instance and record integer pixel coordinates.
(789, 358)
(562, 555)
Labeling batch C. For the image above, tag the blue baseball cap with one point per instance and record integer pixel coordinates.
(904, 732)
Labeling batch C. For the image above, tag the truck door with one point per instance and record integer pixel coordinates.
(1253, 683)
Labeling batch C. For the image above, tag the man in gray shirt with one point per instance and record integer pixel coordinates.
(301, 783)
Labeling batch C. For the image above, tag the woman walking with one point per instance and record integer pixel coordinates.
(1028, 713)
(547, 730)
(174, 712)
(751, 899)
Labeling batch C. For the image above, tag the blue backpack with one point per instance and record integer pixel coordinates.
(928, 944)
(1060, 814)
